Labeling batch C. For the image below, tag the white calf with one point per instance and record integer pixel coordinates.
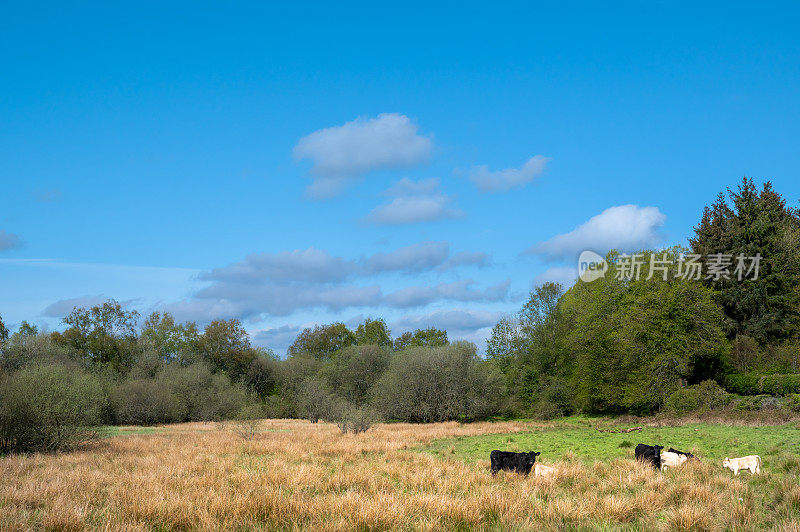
(753, 463)
(669, 459)
(543, 470)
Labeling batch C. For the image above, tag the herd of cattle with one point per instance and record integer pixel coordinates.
(649, 454)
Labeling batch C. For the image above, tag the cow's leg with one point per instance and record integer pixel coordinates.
(736, 472)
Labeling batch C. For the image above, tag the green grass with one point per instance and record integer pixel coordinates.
(114, 431)
(579, 436)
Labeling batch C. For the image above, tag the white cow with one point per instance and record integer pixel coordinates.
(752, 462)
(669, 459)
(540, 470)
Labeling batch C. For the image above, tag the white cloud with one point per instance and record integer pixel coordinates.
(278, 338)
(471, 325)
(414, 202)
(414, 258)
(409, 187)
(339, 153)
(502, 180)
(419, 296)
(9, 240)
(279, 284)
(465, 258)
(456, 320)
(566, 275)
(414, 209)
(61, 308)
(624, 227)
(308, 265)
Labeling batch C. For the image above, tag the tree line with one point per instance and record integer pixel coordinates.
(612, 345)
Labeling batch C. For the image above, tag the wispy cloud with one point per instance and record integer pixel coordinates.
(509, 178)
(340, 153)
(9, 240)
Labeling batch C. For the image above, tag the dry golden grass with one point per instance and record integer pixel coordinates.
(295, 475)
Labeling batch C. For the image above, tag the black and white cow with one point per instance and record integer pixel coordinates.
(689, 456)
(508, 461)
(649, 454)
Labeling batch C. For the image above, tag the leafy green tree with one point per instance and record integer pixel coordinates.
(750, 222)
(322, 341)
(172, 341)
(429, 384)
(226, 346)
(3, 330)
(262, 375)
(635, 341)
(352, 371)
(373, 332)
(26, 329)
(102, 335)
(431, 337)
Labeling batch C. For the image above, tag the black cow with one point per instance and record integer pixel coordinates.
(649, 454)
(508, 461)
(690, 456)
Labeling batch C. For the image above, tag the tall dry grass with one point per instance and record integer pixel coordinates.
(295, 475)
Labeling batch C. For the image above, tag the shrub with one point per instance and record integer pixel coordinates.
(202, 395)
(48, 408)
(351, 418)
(793, 402)
(781, 384)
(683, 401)
(145, 402)
(246, 422)
(314, 400)
(352, 371)
(26, 350)
(428, 384)
(554, 401)
(742, 384)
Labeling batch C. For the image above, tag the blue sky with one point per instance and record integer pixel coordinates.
(299, 163)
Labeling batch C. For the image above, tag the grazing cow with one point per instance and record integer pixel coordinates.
(649, 454)
(508, 461)
(690, 456)
(752, 462)
(670, 459)
(540, 470)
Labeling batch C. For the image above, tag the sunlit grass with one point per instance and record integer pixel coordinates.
(293, 474)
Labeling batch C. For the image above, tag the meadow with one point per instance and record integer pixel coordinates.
(291, 474)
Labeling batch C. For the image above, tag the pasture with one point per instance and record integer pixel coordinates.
(292, 474)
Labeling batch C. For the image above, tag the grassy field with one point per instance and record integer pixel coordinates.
(294, 475)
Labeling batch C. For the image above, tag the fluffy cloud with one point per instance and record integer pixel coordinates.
(278, 284)
(9, 240)
(307, 265)
(414, 258)
(340, 153)
(455, 320)
(502, 180)
(465, 258)
(414, 202)
(61, 308)
(419, 296)
(471, 325)
(566, 275)
(278, 338)
(624, 227)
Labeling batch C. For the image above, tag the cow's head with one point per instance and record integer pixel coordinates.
(530, 459)
(657, 449)
(726, 462)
